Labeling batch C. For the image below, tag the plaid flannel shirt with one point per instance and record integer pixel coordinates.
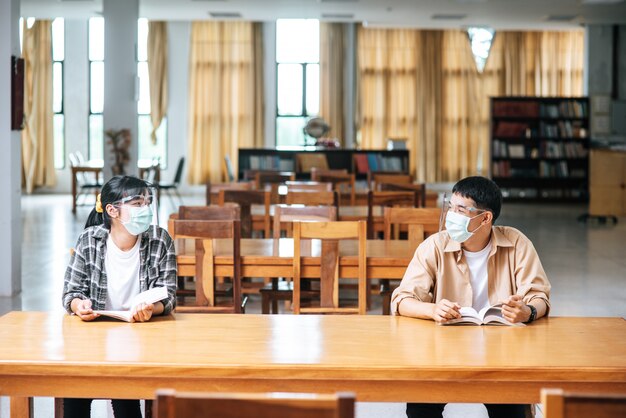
(86, 278)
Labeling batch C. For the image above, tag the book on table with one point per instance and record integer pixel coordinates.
(490, 315)
(150, 296)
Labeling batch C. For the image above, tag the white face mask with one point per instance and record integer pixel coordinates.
(456, 225)
(140, 220)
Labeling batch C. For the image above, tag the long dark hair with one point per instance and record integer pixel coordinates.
(113, 191)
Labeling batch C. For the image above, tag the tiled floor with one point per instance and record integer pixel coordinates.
(584, 262)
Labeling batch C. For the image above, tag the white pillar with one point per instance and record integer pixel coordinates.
(120, 75)
(10, 158)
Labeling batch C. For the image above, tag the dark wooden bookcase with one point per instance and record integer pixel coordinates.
(540, 147)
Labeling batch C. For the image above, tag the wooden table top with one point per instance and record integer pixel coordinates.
(381, 358)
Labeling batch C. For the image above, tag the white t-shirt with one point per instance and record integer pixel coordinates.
(477, 263)
(122, 268)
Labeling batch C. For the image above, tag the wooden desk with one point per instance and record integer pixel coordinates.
(273, 258)
(380, 358)
(89, 167)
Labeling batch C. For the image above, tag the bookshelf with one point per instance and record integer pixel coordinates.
(285, 160)
(540, 147)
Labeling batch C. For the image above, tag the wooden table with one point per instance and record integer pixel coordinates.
(380, 358)
(273, 258)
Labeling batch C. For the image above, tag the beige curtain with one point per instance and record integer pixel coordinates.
(424, 85)
(224, 96)
(157, 69)
(332, 50)
(38, 134)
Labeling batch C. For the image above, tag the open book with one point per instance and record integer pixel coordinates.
(149, 296)
(491, 315)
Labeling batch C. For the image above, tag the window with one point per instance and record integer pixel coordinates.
(480, 39)
(148, 151)
(58, 57)
(297, 73)
(96, 88)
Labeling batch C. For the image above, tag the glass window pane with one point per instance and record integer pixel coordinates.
(290, 89)
(57, 87)
(59, 141)
(96, 137)
(97, 87)
(289, 131)
(147, 150)
(312, 89)
(96, 39)
(58, 39)
(297, 40)
(143, 104)
(142, 39)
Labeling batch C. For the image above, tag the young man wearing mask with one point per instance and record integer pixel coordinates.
(499, 262)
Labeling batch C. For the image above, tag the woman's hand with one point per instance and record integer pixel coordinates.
(82, 309)
(143, 312)
(445, 310)
(515, 310)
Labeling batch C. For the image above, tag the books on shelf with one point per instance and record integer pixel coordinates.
(516, 109)
(360, 163)
(491, 315)
(509, 129)
(150, 296)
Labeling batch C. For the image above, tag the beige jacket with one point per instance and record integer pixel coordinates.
(439, 270)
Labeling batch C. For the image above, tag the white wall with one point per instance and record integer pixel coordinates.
(10, 158)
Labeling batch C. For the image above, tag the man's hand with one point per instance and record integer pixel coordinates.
(515, 310)
(444, 310)
(143, 312)
(82, 309)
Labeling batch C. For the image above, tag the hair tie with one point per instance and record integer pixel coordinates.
(98, 204)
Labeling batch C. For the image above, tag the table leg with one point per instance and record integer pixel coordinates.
(21, 407)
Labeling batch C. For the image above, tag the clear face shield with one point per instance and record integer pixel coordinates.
(449, 204)
(138, 202)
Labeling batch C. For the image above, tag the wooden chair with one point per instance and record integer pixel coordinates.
(330, 233)
(213, 189)
(374, 179)
(338, 178)
(407, 198)
(308, 161)
(172, 404)
(560, 404)
(420, 223)
(262, 178)
(284, 216)
(245, 199)
(204, 232)
(302, 186)
(311, 198)
(419, 188)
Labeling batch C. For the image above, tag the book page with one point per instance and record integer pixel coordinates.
(150, 296)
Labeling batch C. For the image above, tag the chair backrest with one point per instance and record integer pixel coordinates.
(316, 186)
(419, 188)
(337, 178)
(330, 233)
(311, 198)
(262, 178)
(228, 212)
(179, 171)
(374, 179)
(170, 404)
(420, 222)
(245, 199)
(560, 404)
(213, 189)
(306, 162)
(406, 199)
(285, 215)
(81, 157)
(204, 232)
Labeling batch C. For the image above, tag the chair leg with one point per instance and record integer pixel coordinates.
(180, 199)
(265, 303)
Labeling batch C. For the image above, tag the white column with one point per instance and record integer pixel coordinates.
(10, 158)
(120, 75)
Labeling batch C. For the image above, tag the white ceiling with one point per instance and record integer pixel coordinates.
(500, 14)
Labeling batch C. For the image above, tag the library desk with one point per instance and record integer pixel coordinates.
(273, 258)
(380, 358)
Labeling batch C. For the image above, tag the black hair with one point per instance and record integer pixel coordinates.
(484, 192)
(113, 191)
